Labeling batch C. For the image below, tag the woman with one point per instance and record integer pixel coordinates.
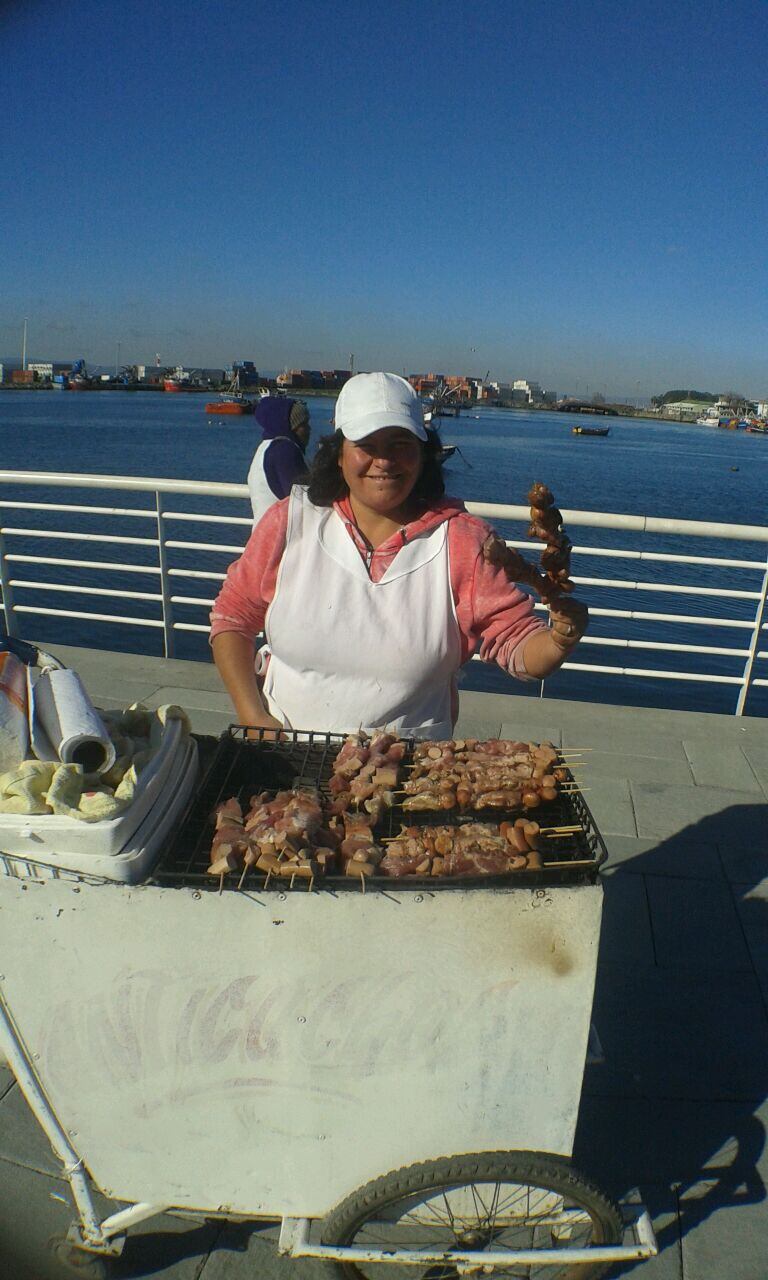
(279, 460)
(372, 588)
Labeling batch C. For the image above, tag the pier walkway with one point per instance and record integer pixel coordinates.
(678, 1107)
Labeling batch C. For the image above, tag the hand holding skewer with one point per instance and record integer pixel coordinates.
(570, 619)
(552, 582)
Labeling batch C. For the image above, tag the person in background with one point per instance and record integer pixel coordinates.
(372, 587)
(279, 460)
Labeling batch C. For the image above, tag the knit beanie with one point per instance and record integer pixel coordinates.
(299, 415)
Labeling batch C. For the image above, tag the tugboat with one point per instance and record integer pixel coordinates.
(232, 402)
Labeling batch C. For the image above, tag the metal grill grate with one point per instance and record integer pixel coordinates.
(242, 766)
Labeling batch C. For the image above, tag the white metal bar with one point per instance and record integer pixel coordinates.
(626, 584)
(637, 614)
(295, 1241)
(195, 519)
(492, 510)
(656, 646)
(624, 671)
(133, 484)
(688, 619)
(665, 557)
(83, 510)
(7, 590)
(19, 1062)
(750, 663)
(55, 535)
(660, 557)
(87, 591)
(195, 573)
(639, 524)
(91, 564)
(656, 675)
(91, 617)
(208, 604)
(190, 626)
(168, 645)
(130, 1217)
(205, 546)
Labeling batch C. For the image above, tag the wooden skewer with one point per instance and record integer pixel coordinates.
(245, 873)
(266, 882)
(221, 884)
(577, 862)
(566, 830)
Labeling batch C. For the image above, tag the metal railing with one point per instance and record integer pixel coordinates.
(162, 560)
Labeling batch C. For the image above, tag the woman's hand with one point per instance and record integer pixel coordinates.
(570, 619)
(546, 649)
(271, 729)
(234, 656)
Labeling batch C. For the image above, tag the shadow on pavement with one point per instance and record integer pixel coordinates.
(676, 1109)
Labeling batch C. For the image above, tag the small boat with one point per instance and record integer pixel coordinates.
(171, 384)
(232, 407)
(232, 402)
(447, 451)
(591, 431)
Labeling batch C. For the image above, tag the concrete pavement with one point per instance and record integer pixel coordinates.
(679, 1106)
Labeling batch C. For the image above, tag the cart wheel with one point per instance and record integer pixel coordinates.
(498, 1200)
(78, 1262)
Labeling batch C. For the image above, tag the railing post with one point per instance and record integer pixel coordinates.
(165, 589)
(7, 589)
(754, 646)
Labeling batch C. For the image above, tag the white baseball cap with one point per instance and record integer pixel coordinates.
(370, 401)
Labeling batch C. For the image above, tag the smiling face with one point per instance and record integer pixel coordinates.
(381, 470)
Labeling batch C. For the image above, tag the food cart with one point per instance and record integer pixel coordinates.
(395, 1075)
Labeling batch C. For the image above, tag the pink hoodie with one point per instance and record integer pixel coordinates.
(495, 617)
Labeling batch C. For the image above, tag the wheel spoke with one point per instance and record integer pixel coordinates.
(448, 1211)
(476, 1196)
(428, 1204)
(494, 1204)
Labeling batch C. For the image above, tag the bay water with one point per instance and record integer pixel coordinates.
(642, 468)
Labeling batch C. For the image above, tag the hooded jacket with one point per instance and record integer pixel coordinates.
(276, 468)
(495, 617)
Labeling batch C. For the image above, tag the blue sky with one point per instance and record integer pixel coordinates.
(569, 191)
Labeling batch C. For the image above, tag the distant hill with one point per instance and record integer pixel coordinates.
(672, 397)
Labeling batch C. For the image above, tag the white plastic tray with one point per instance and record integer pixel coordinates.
(132, 863)
(38, 835)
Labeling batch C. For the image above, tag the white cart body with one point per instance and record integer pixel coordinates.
(265, 1054)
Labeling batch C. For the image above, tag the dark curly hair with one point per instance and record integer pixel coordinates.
(326, 484)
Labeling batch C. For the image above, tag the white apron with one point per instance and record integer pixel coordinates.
(262, 496)
(349, 653)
